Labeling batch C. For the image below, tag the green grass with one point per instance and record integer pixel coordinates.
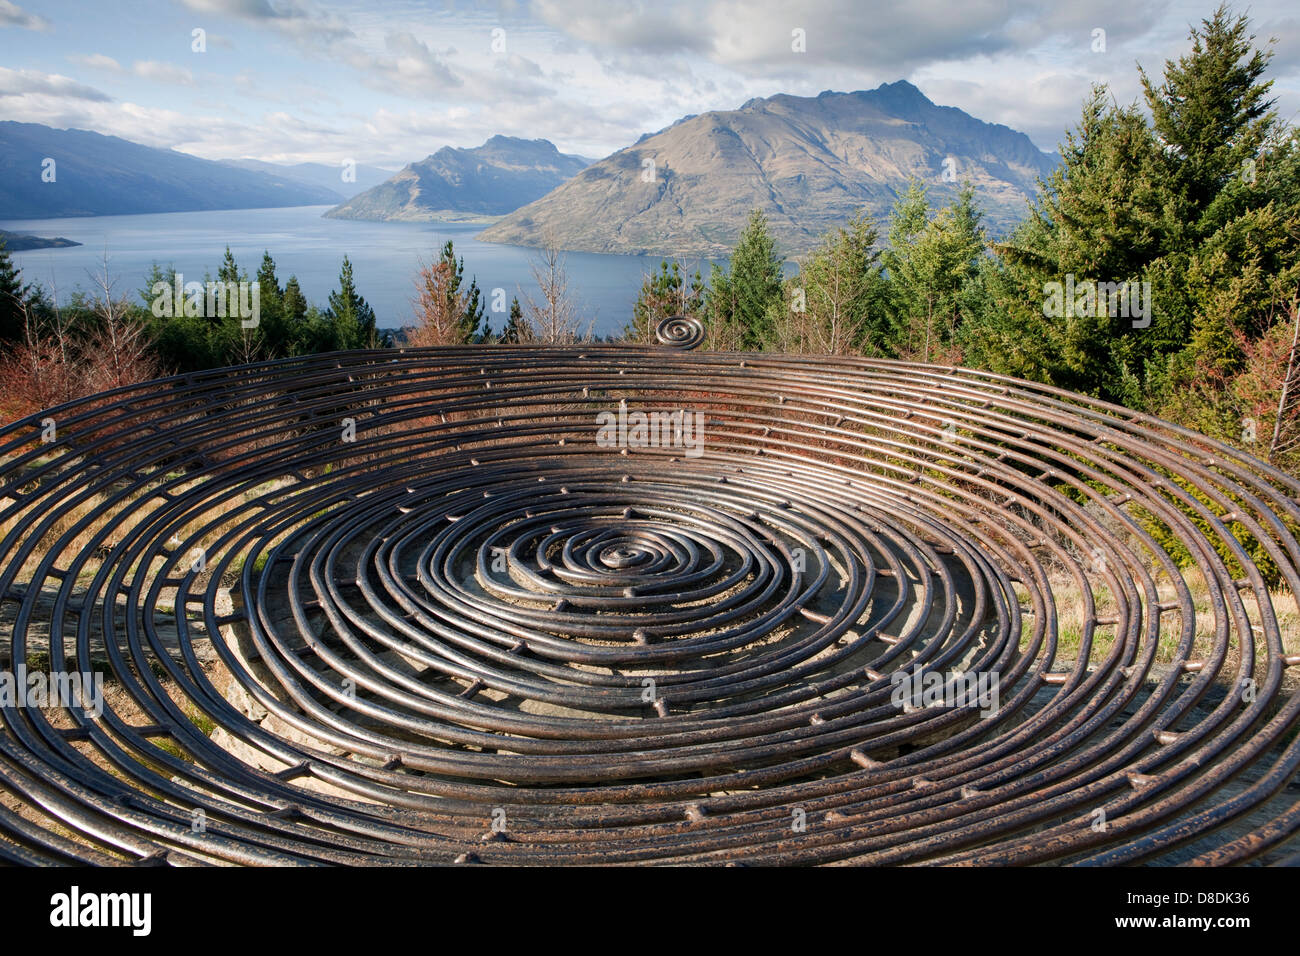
(203, 722)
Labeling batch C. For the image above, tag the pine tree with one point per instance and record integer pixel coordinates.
(722, 330)
(516, 331)
(318, 332)
(1102, 216)
(473, 321)
(1212, 114)
(275, 329)
(756, 283)
(933, 265)
(1201, 205)
(352, 317)
(182, 343)
(229, 271)
(909, 216)
(1231, 173)
(295, 303)
(228, 340)
(836, 303)
(267, 282)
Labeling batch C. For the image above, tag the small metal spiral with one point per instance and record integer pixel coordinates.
(680, 331)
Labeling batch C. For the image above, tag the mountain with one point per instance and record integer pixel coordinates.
(318, 174)
(809, 162)
(22, 241)
(489, 180)
(96, 175)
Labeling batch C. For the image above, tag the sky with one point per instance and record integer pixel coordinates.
(387, 83)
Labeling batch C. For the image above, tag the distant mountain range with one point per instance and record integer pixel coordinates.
(809, 162)
(319, 175)
(453, 183)
(96, 175)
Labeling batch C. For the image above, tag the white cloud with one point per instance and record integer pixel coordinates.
(609, 25)
(98, 61)
(153, 70)
(757, 36)
(389, 83)
(12, 15)
(406, 66)
(162, 72)
(20, 83)
(1040, 104)
(305, 23)
(1286, 51)
(248, 9)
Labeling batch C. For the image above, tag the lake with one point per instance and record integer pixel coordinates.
(385, 257)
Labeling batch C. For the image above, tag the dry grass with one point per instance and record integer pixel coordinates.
(1071, 616)
(120, 521)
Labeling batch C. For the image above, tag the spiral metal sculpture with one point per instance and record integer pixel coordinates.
(680, 331)
(608, 604)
